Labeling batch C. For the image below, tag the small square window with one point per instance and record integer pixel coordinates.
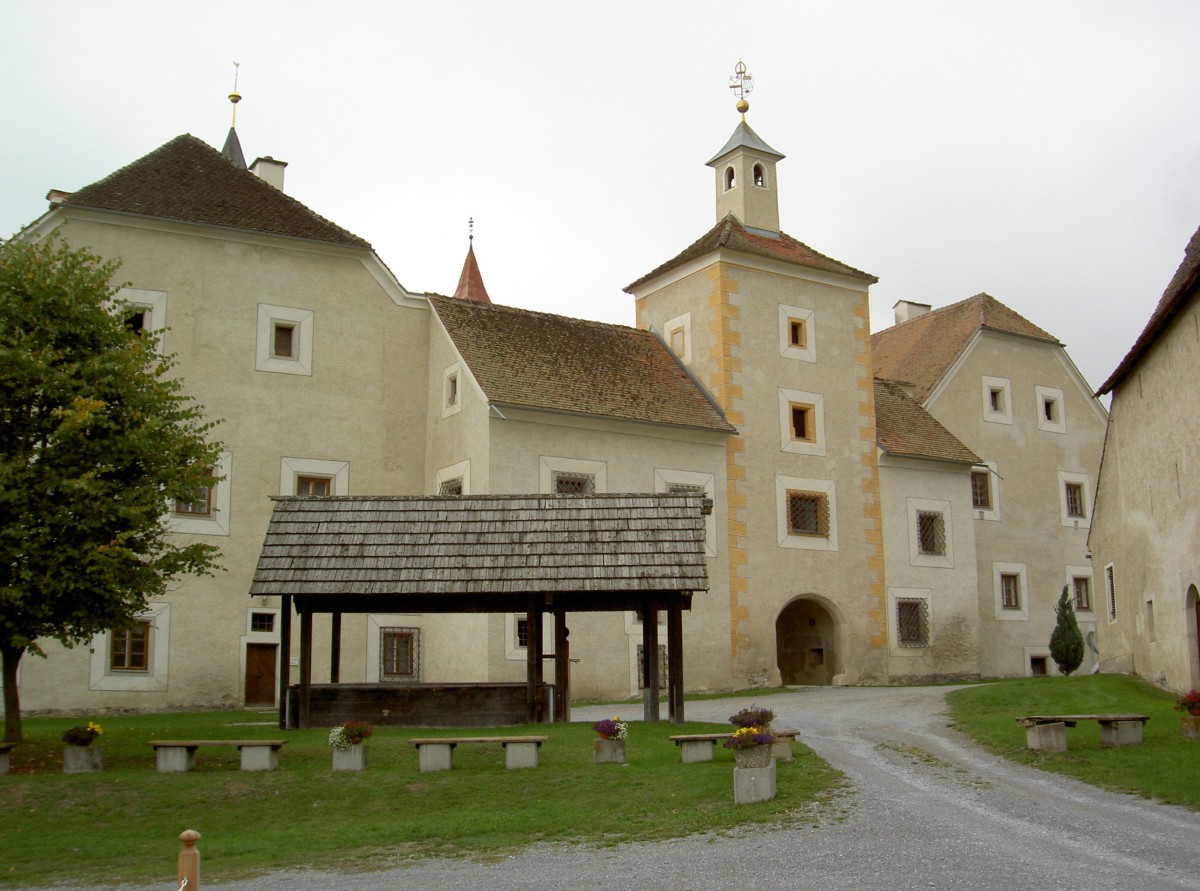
(981, 490)
(263, 623)
(451, 487)
(574, 483)
(1050, 409)
(1082, 586)
(803, 420)
(452, 390)
(798, 333)
(201, 503)
(130, 649)
(1075, 505)
(283, 340)
(808, 513)
(996, 399)
(1010, 590)
(912, 622)
(931, 533)
(138, 319)
(678, 341)
(314, 486)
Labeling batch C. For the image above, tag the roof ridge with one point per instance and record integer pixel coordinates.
(500, 307)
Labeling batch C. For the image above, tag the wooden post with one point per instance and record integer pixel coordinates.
(305, 692)
(189, 861)
(335, 648)
(533, 661)
(650, 664)
(675, 664)
(562, 667)
(285, 657)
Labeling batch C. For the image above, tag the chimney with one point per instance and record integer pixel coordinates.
(57, 196)
(269, 170)
(906, 310)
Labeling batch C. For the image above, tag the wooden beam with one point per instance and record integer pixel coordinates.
(335, 648)
(306, 639)
(284, 667)
(675, 665)
(562, 667)
(533, 661)
(650, 663)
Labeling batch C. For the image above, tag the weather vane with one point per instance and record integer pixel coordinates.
(741, 85)
(235, 97)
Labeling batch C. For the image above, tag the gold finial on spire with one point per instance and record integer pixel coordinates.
(471, 229)
(235, 97)
(741, 85)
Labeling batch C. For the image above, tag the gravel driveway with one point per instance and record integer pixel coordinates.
(927, 810)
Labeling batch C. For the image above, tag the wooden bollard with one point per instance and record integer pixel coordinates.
(189, 861)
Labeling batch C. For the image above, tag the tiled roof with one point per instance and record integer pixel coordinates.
(470, 282)
(921, 350)
(1181, 289)
(189, 181)
(732, 235)
(557, 363)
(903, 427)
(483, 545)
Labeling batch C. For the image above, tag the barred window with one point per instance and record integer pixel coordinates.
(662, 667)
(912, 622)
(574, 483)
(981, 490)
(451, 487)
(1110, 583)
(1083, 592)
(1010, 590)
(399, 654)
(931, 533)
(808, 513)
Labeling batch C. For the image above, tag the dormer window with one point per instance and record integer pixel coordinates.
(730, 179)
(760, 176)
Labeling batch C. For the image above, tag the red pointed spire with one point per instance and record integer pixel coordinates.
(470, 283)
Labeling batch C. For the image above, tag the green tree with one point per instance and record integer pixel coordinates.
(1066, 640)
(96, 440)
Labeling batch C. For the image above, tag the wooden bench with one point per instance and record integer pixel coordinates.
(179, 755)
(1047, 733)
(695, 747)
(5, 748)
(438, 754)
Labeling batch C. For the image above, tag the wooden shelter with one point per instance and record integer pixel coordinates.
(528, 554)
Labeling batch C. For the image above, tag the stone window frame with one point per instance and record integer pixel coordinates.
(681, 324)
(997, 400)
(918, 507)
(899, 596)
(549, 466)
(789, 399)
(292, 469)
(785, 537)
(991, 513)
(460, 471)
(1053, 397)
(452, 389)
(216, 521)
(414, 634)
(101, 675)
(270, 316)
(153, 304)
(1074, 521)
(1020, 613)
(1082, 572)
(808, 317)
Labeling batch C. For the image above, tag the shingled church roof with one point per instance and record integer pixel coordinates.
(542, 361)
(189, 181)
(920, 351)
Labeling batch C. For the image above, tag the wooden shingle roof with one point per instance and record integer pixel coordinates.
(729, 233)
(190, 181)
(1180, 290)
(920, 351)
(903, 427)
(542, 361)
(485, 546)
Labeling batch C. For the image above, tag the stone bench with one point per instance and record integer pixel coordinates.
(5, 748)
(179, 755)
(438, 754)
(1047, 733)
(695, 747)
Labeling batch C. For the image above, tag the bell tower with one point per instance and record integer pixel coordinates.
(745, 168)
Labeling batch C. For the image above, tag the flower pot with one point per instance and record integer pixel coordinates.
(1194, 712)
(608, 751)
(755, 756)
(754, 784)
(1190, 725)
(83, 759)
(353, 757)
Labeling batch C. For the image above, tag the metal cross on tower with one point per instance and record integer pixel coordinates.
(741, 85)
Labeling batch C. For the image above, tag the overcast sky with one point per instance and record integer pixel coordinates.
(1047, 153)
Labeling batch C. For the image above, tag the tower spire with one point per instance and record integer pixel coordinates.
(233, 147)
(470, 282)
(745, 167)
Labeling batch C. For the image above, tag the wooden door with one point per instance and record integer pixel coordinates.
(260, 673)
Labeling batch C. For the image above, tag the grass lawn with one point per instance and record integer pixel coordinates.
(121, 825)
(1165, 766)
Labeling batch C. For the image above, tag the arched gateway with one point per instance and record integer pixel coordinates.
(806, 644)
